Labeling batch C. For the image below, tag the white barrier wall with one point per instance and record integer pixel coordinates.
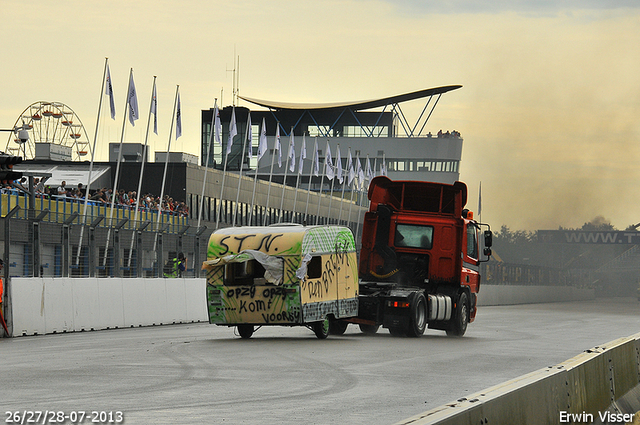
(47, 305)
(600, 383)
(526, 294)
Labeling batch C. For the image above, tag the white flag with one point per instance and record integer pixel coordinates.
(154, 108)
(359, 173)
(292, 152)
(329, 164)
(350, 170)
(316, 159)
(108, 90)
(133, 102)
(277, 145)
(217, 126)
(383, 168)
(250, 136)
(233, 130)
(178, 119)
(339, 166)
(369, 172)
(262, 141)
(303, 155)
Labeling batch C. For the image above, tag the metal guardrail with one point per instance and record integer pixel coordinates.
(50, 244)
(60, 208)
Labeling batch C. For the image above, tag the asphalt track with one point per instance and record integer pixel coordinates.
(204, 374)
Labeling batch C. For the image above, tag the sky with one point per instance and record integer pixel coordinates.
(549, 109)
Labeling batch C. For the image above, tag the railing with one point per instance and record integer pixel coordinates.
(56, 244)
(60, 208)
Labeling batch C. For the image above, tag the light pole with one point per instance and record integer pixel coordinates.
(21, 132)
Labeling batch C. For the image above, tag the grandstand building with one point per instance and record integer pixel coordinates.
(376, 131)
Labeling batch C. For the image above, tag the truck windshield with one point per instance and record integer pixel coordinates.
(414, 236)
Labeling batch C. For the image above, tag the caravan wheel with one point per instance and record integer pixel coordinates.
(245, 331)
(321, 329)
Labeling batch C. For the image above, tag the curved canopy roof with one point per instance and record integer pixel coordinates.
(355, 105)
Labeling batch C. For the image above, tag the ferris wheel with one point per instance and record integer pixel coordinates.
(52, 123)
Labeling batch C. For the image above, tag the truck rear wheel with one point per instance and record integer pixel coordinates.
(458, 325)
(245, 331)
(418, 318)
(321, 329)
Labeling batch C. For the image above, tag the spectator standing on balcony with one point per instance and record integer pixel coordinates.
(62, 190)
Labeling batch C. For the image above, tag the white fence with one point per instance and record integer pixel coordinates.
(48, 305)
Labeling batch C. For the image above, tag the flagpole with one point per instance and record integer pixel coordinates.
(286, 169)
(273, 157)
(262, 149)
(359, 200)
(227, 151)
(480, 202)
(342, 195)
(164, 174)
(333, 180)
(115, 184)
(351, 184)
(368, 202)
(322, 182)
(253, 194)
(206, 165)
(350, 203)
(300, 168)
(330, 199)
(244, 145)
(311, 172)
(383, 167)
(144, 157)
(93, 149)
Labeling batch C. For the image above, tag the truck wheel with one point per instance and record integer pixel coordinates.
(245, 331)
(418, 317)
(369, 329)
(338, 327)
(458, 325)
(321, 329)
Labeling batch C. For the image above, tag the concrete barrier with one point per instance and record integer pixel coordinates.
(526, 294)
(47, 305)
(601, 385)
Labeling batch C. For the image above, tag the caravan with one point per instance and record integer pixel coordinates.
(289, 275)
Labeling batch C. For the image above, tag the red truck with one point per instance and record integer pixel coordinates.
(420, 257)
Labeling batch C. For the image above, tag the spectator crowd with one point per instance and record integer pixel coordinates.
(124, 199)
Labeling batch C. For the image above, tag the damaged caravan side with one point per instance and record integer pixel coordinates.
(288, 275)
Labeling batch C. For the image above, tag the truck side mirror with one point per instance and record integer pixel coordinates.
(487, 252)
(488, 239)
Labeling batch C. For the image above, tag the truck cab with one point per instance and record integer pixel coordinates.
(420, 257)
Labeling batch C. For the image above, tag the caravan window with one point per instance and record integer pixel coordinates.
(314, 268)
(243, 273)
